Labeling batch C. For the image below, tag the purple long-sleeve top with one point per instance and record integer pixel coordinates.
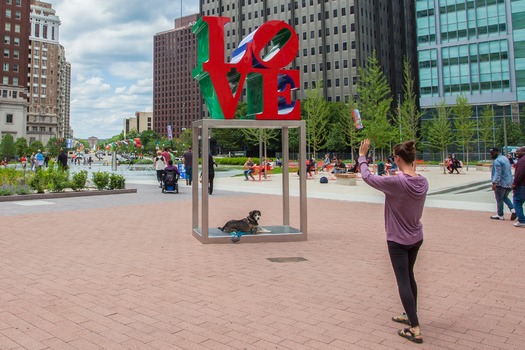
(404, 201)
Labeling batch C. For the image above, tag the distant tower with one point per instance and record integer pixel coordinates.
(49, 77)
(176, 95)
(14, 48)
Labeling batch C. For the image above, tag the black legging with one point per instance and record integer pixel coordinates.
(403, 258)
(211, 176)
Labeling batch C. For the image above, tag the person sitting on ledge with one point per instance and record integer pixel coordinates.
(340, 167)
(248, 169)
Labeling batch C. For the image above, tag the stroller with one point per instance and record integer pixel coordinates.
(170, 182)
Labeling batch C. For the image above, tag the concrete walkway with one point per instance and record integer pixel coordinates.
(124, 272)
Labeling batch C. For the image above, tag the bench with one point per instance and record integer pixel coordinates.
(420, 165)
(268, 171)
(346, 179)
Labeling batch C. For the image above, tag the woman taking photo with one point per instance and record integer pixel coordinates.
(404, 201)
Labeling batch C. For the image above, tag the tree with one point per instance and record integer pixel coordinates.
(53, 147)
(21, 147)
(35, 146)
(486, 128)
(374, 101)
(465, 125)
(408, 115)
(439, 131)
(514, 135)
(317, 114)
(7, 147)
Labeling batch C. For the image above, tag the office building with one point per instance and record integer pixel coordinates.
(176, 96)
(14, 45)
(475, 49)
(49, 77)
(335, 37)
(142, 121)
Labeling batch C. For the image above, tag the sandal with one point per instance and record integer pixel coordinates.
(403, 318)
(408, 334)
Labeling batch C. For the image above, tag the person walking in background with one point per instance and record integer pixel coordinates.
(32, 161)
(23, 161)
(62, 159)
(404, 201)
(187, 158)
(159, 163)
(211, 173)
(518, 187)
(39, 160)
(166, 155)
(501, 179)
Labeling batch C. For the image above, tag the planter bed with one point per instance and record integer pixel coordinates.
(65, 194)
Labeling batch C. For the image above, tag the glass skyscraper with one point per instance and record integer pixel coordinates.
(474, 48)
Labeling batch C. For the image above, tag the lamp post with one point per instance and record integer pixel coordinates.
(504, 106)
(183, 138)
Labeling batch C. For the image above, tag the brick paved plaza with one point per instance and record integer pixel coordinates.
(124, 272)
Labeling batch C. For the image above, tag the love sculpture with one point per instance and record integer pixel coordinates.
(258, 67)
(258, 63)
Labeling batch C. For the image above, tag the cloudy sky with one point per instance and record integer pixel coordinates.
(110, 47)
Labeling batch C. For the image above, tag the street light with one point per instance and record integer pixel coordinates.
(505, 105)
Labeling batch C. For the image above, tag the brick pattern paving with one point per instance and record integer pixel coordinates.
(132, 277)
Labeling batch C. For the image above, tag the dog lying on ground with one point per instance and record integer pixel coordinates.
(248, 224)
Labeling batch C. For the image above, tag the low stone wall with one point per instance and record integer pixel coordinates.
(346, 179)
(483, 167)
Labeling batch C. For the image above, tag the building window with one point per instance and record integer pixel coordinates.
(5, 80)
(6, 53)
(18, 15)
(6, 67)
(9, 119)
(7, 40)
(8, 13)
(16, 41)
(15, 67)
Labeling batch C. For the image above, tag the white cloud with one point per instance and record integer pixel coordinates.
(110, 47)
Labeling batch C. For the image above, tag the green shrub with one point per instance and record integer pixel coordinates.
(57, 179)
(10, 176)
(23, 190)
(38, 181)
(78, 180)
(6, 190)
(100, 179)
(117, 182)
(143, 161)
